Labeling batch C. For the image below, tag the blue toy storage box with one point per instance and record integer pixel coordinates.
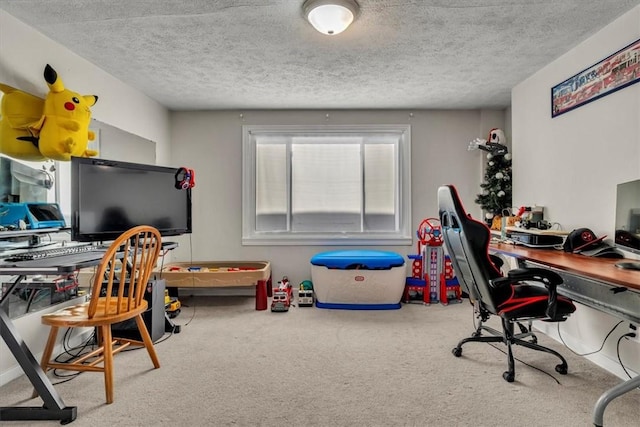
(358, 279)
(34, 215)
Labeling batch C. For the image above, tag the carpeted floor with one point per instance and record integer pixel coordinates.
(234, 366)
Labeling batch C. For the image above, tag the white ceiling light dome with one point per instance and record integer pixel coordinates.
(330, 17)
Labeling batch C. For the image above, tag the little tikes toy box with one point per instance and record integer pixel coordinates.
(358, 279)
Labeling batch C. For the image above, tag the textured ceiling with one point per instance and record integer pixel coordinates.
(262, 54)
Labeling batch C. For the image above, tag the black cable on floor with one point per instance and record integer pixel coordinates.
(527, 364)
(475, 328)
(592, 352)
(618, 354)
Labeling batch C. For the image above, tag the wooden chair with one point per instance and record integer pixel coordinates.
(116, 295)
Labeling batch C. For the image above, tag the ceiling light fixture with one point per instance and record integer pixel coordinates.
(330, 17)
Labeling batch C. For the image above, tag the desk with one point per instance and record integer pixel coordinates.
(594, 282)
(53, 408)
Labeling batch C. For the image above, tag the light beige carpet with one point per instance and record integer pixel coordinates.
(234, 366)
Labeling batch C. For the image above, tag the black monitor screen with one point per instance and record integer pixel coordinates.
(627, 234)
(108, 197)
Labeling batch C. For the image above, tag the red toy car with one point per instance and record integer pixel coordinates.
(282, 296)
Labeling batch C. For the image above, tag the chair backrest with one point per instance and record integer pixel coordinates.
(123, 274)
(467, 242)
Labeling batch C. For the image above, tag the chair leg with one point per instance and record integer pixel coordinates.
(107, 342)
(508, 326)
(562, 368)
(48, 352)
(148, 343)
(477, 336)
(510, 374)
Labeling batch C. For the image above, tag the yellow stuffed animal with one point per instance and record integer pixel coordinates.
(64, 125)
(18, 112)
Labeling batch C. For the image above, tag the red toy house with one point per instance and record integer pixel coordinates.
(432, 279)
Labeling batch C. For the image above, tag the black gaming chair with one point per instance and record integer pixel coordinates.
(516, 298)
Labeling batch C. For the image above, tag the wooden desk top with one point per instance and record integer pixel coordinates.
(603, 269)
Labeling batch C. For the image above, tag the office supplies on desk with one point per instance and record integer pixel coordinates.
(536, 238)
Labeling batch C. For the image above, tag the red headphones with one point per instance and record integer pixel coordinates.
(185, 178)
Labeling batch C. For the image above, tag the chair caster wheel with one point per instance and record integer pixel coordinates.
(508, 376)
(457, 352)
(561, 369)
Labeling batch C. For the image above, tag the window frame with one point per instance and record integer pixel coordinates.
(401, 236)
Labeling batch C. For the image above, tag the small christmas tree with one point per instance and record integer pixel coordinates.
(497, 186)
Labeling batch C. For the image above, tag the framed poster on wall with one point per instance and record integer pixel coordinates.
(613, 73)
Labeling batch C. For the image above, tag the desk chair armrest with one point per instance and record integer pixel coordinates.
(496, 260)
(549, 278)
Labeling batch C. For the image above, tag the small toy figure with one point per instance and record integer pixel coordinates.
(282, 296)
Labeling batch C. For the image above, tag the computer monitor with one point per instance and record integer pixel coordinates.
(108, 197)
(627, 232)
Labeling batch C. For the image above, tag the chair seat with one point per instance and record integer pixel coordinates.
(531, 301)
(77, 315)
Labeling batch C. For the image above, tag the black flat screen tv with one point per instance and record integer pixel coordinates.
(108, 197)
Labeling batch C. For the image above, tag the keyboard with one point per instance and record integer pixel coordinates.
(51, 253)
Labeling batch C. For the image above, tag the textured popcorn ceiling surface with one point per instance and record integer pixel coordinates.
(263, 54)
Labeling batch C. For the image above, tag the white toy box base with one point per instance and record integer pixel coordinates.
(358, 279)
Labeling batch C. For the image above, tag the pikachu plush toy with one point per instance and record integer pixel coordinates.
(18, 111)
(54, 128)
(64, 126)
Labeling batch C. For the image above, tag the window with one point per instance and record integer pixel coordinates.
(326, 185)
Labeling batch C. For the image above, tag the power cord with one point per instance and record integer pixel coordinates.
(630, 335)
(527, 364)
(592, 352)
(193, 284)
(71, 354)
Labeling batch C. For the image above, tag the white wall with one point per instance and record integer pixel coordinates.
(211, 144)
(571, 164)
(25, 52)
(583, 154)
